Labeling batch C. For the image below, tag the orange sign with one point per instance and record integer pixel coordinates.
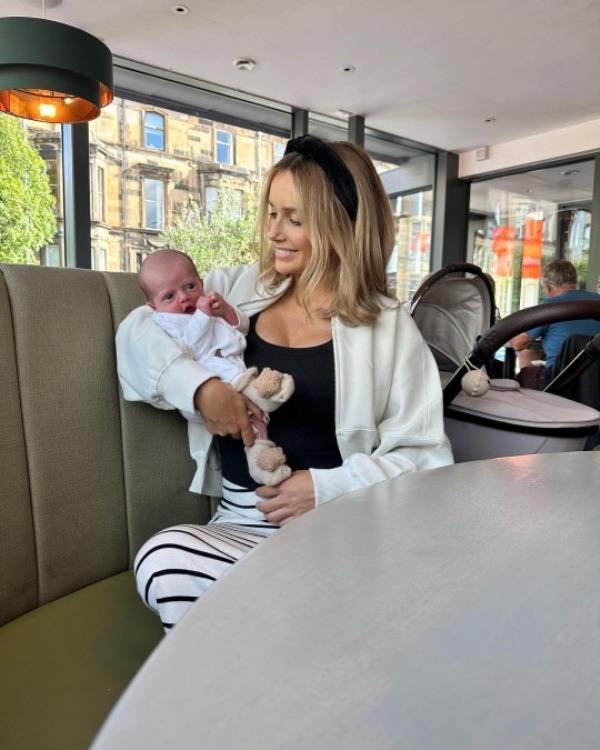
(503, 247)
(531, 264)
(420, 242)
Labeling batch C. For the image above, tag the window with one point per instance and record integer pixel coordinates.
(278, 150)
(154, 203)
(100, 194)
(230, 201)
(154, 131)
(100, 264)
(147, 192)
(520, 222)
(211, 195)
(50, 255)
(224, 149)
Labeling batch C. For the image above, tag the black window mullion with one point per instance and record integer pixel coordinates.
(76, 188)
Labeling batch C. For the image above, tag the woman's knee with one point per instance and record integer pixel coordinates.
(161, 552)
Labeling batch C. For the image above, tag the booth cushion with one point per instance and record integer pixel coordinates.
(64, 664)
(85, 479)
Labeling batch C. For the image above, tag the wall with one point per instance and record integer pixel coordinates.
(575, 140)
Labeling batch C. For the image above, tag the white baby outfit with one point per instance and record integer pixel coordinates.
(211, 341)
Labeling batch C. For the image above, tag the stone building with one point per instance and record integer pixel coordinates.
(146, 162)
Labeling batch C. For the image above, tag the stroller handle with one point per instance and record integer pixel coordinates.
(522, 320)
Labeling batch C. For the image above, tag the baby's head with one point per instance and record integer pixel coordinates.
(170, 281)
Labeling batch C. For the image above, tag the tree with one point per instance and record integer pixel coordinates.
(224, 236)
(27, 220)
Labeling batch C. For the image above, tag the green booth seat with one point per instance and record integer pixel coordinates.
(85, 479)
(66, 663)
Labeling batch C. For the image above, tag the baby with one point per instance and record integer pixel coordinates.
(213, 331)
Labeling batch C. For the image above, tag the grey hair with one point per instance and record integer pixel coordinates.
(560, 273)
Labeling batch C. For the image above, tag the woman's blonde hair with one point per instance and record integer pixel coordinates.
(348, 257)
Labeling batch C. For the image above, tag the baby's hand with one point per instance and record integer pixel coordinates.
(204, 304)
(219, 308)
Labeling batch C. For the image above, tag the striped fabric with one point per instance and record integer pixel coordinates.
(177, 565)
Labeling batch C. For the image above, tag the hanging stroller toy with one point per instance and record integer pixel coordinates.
(488, 417)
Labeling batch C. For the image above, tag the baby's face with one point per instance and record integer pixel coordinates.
(176, 289)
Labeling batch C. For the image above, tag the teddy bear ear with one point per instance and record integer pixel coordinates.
(475, 383)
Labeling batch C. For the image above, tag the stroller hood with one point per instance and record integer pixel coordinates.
(451, 314)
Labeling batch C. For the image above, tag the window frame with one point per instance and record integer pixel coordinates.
(153, 130)
(100, 197)
(146, 179)
(229, 145)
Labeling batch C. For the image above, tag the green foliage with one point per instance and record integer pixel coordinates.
(224, 237)
(581, 266)
(27, 220)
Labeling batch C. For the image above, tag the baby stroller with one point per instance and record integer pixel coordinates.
(455, 311)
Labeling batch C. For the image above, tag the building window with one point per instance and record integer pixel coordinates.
(50, 255)
(100, 264)
(278, 151)
(211, 195)
(224, 147)
(154, 203)
(228, 200)
(100, 194)
(154, 131)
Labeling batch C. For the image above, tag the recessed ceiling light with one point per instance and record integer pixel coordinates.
(244, 63)
(180, 10)
(570, 172)
(348, 69)
(344, 113)
(490, 119)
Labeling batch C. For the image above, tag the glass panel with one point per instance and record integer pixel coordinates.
(154, 130)
(520, 222)
(211, 195)
(215, 230)
(407, 173)
(224, 140)
(100, 194)
(31, 223)
(154, 202)
(409, 184)
(278, 151)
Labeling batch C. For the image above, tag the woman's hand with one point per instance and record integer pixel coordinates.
(225, 411)
(288, 500)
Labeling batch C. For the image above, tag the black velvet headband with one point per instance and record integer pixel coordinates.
(336, 171)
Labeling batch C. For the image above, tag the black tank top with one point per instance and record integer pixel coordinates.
(305, 425)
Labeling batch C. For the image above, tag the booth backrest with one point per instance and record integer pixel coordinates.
(85, 477)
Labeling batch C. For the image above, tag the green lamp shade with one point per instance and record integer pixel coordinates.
(52, 72)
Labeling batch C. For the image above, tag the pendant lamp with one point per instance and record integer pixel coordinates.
(52, 72)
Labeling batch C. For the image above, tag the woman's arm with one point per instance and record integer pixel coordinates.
(360, 470)
(408, 437)
(410, 434)
(155, 368)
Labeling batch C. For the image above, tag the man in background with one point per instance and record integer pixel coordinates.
(559, 284)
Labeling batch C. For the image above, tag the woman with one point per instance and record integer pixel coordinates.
(367, 405)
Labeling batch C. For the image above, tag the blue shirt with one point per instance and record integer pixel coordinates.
(555, 334)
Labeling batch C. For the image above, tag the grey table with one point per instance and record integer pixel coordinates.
(457, 608)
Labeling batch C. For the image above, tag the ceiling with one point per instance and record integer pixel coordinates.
(564, 185)
(431, 71)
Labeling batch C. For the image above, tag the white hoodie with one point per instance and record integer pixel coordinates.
(388, 400)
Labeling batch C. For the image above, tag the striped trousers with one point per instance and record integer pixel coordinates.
(177, 565)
